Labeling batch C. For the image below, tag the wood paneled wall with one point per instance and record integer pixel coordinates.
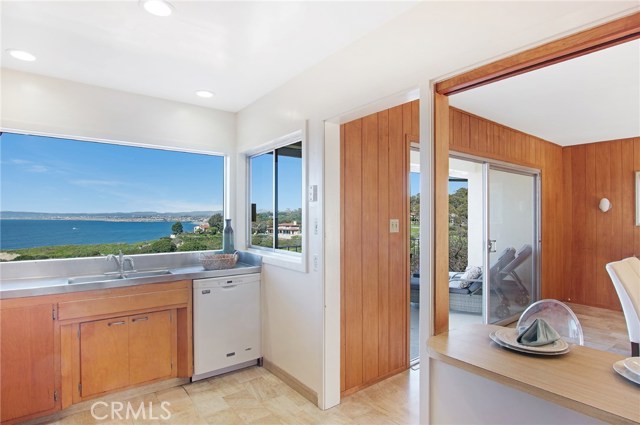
(478, 136)
(593, 238)
(375, 262)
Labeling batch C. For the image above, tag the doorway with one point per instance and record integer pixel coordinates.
(493, 241)
(414, 253)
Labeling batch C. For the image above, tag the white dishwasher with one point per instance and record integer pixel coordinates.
(226, 324)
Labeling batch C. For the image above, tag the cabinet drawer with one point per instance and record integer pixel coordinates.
(115, 305)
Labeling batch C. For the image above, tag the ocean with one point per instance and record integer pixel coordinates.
(16, 234)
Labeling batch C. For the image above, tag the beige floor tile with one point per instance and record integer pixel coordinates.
(185, 418)
(244, 398)
(224, 417)
(252, 414)
(263, 389)
(178, 399)
(270, 419)
(207, 403)
(198, 386)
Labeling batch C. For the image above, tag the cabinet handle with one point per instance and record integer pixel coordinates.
(117, 323)
(140, 319)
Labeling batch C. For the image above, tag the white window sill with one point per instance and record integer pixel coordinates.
(285, 261)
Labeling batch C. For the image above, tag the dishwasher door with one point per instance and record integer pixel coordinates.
(226, 322)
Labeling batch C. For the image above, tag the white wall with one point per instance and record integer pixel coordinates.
(64, 108)
(430, 40)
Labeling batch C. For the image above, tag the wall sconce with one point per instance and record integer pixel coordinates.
(604, 205)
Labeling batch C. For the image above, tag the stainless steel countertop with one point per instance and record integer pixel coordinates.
(30, 287)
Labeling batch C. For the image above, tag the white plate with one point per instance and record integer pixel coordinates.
(633, 365)
(620, 367)
(510, 336)
(495, 339)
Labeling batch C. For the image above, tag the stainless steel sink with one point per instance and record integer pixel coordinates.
(109, 277)
(88, 279)
(149, 273)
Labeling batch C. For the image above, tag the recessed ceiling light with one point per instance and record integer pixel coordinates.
(21, 54)
(157, 7)
(204, 93)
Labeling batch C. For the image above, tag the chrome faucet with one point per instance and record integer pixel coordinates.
(121, 260)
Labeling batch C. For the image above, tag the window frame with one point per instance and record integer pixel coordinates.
(225, 173)
(279, 257)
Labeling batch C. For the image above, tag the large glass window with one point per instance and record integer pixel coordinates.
(276, 186)
(66, 198)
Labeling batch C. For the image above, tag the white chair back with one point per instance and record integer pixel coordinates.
(625, 275)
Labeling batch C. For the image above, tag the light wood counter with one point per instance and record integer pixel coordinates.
(582, 380)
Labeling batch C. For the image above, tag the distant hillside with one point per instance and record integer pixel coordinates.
(27, 215)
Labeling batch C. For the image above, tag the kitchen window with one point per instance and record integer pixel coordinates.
(65, 198)
(275, 193)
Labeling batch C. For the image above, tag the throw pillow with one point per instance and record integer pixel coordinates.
(470, 273)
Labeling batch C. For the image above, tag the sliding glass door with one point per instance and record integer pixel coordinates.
(511, 234)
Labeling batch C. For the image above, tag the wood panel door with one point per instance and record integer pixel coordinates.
(104, 355)
(375, 259)
(150, 346)
(28, 361)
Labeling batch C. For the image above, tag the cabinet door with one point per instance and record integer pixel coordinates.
(27, 361)
(150, 346)
(104, 355)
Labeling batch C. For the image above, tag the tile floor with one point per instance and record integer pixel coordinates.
(255, 396)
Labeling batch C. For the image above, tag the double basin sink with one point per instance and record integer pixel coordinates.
(117, 276)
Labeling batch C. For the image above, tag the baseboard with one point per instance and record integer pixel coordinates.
(298, 386)
(222, 371)
(117, 396)
(355, 389)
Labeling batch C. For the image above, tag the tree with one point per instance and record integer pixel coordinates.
(177, 228)
(458, 230)
(161, 245)
(216, 223)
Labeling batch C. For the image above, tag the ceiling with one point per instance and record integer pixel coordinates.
(592, 98)
(239, 50)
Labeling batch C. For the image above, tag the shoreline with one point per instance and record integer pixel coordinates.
(114, 219)
(6, 256)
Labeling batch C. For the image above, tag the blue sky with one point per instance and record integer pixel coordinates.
(43, 174)
(289, 182)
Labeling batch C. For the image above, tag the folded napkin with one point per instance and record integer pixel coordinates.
(538, 333)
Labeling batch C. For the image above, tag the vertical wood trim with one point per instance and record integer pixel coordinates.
(66, 365)
(591, 206)
(369, 231)
(567, 180)
(353, 254)
(383, 236)
(441, 215)
(615, 191)
(397, 241)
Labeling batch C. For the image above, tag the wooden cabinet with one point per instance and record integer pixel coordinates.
(150, 346)
(123, 351)
(104, 355)
(60, 349)
(28, 361)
